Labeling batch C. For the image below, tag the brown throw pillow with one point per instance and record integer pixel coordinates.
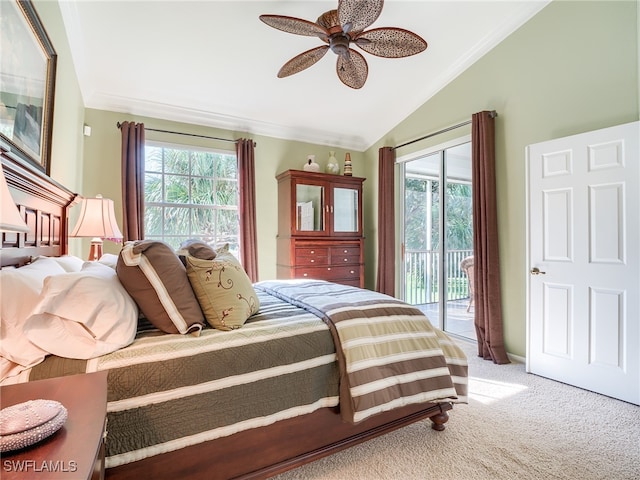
(223, 289)
(156, 279)
(195, 248)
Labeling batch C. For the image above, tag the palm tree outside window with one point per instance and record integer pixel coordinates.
(191, 192)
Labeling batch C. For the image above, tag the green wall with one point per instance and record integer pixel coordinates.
(272, 156)
(570, 69)
(68, 110)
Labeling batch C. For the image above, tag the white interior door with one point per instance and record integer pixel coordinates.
(583, 261)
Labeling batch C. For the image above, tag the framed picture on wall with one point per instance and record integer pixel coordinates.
(27, 84)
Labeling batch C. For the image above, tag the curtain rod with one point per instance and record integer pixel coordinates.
(492, 114)
(189, 134)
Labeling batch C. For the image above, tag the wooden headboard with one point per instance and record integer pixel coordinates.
(44, 205)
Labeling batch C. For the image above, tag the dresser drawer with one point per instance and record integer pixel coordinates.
(329, 273)
(345, 260)
(345, 251)
(312, 251)
(334, 260)
(345, 255)
(312, 256)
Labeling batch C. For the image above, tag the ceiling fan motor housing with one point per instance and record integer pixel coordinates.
(339, 43)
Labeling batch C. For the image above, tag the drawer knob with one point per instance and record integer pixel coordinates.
(329, 269)
(305, 274)
(346, 259)
(346, 251)
(352, 272)
(313, 251)
(312, 260)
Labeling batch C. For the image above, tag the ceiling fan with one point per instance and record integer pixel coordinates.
(339, 29)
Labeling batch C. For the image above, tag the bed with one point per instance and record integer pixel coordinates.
(281, 391)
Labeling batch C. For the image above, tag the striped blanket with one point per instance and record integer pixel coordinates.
(389, 353)
(166, 392)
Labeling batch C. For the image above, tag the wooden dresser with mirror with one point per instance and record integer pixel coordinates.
(320, 227)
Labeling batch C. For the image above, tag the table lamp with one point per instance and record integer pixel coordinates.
(98, 221)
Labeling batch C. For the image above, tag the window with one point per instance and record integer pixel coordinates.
(191, 193)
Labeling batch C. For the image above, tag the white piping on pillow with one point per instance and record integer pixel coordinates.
(131, 260)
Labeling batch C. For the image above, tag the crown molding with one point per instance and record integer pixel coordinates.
(136, 106)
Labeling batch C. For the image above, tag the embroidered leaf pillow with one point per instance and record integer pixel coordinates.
(223, 289)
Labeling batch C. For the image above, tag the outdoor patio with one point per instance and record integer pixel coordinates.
(458, 321)
(422, 289)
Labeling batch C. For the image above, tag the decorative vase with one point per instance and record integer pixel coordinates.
(347, 165)
(332, 166)
(311, 165)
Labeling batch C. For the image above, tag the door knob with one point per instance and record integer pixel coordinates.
(536, 271)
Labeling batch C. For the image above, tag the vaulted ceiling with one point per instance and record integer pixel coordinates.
(215, 63)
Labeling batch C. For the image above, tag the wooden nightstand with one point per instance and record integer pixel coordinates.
(76, 451)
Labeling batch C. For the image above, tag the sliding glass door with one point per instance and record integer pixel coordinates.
(437, 244)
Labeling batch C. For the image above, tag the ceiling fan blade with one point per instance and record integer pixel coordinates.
(357, 15)
(302, 61)
(352, 69)
(294, 25)
(390, 42)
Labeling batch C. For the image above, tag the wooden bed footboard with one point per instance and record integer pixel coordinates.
(267, 451)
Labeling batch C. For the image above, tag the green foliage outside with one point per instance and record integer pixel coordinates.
(191, 194)
(422, 238)
(459, 215)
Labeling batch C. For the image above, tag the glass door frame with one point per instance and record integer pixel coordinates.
(400, 254)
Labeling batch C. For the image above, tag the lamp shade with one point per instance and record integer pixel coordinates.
(10, 219)
(97, 219)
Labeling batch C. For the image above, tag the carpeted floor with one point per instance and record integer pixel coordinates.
(516, 426)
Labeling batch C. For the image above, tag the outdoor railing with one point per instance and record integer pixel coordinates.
(422, 276)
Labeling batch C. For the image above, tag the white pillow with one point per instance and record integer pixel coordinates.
(109, 259)
(69, 262)
(19, 291)
(83, 314)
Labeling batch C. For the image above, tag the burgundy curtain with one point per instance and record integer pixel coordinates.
(247, 187)
(385, 282)
(132, 180)
(487, 298)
